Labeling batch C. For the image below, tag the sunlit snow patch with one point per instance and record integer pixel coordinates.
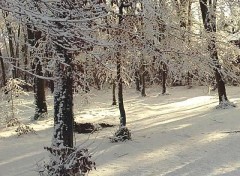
(194, 101)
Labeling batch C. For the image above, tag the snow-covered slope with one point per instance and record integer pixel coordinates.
(181, 134)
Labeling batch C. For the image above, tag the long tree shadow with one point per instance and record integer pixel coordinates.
(180, 147)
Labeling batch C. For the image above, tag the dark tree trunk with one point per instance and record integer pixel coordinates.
(63, 94)
(39, 84)
(25, 57)
(96, 80)
(221, 88)
(39, 89)
(85, 71)
(17, 43)
(143, 91)
(137, 80)
(3, 69)
(164, 78)
(120, 93)
(209, 22)
(114, 92)
(17, 52)
(189, 80)
(63, 101)
(119, 76)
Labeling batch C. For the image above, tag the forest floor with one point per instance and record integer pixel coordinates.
(180, 134)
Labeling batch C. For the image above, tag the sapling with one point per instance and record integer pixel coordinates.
(12, 90)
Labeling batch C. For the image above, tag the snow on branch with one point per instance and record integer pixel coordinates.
(70, 24)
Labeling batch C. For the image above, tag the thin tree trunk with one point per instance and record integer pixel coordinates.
(222, 95)
(120, 93)
(143, 91)
(25, 56)
(164, 78)
(6, 45)
(17, 43)
(17, 51)
(189, 25)
(189, 19)
(114, 92)
(137, 80)
(189, 80)
(63, 102)
(96, 80)
(119, 76)
(3, 69)
(85, 72)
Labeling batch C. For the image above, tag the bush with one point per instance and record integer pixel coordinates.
(67, 161)
(121, 134)
(12, 122)
(24, 129)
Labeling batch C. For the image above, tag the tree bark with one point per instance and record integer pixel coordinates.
(114, 92)
(164, 78)
(63, 101)
(3, 69)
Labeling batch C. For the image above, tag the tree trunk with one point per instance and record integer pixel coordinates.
(189, 80)
(137, 80)
(209, 22)
(63, 102)
(189, 19)
(39, 89)
(222, 95)
(39, 84)
(96, 79)
(164, 78)
(143, 91)
(3, 70)
(119, 76)
(85, 72)
(24, 50)
(120, 93)
(114, 92)
(17, 52)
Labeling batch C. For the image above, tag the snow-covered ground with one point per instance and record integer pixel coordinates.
(181, 134)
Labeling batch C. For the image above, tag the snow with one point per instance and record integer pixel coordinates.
(180, 134)
(235, 36)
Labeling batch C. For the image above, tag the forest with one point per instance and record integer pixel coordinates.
(119, 87)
